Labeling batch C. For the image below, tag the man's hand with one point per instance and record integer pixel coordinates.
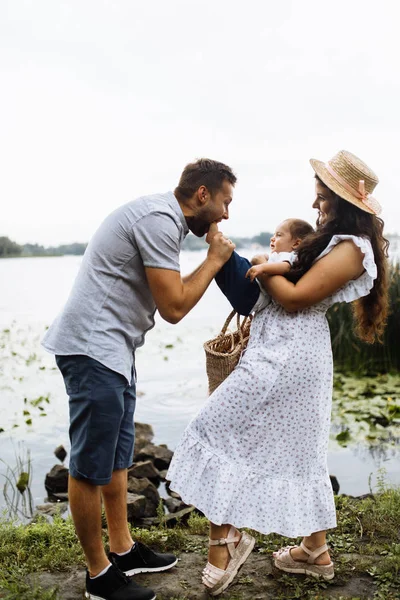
(259, 259)
(255, 271)
(221, 248)
(211, 232)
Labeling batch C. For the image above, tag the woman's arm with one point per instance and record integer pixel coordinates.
(325, 277)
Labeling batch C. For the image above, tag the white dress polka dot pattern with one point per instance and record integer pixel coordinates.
(256, 454)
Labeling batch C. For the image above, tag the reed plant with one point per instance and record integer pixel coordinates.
(350, 354)
(16, 490)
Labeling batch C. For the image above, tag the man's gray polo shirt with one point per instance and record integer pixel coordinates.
(110, 307)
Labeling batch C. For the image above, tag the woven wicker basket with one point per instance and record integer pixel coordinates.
(223, 352)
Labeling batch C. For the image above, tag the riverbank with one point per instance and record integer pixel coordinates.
(43, 561)
(365, 430)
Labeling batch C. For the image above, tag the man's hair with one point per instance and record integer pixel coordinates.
(204, 171)
(299, 229)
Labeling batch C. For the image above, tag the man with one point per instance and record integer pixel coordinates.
(130, 269)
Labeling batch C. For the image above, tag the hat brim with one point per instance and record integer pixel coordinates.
(323, 173)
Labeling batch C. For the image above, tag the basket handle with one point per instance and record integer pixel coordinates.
(228, 320)
(240, 326)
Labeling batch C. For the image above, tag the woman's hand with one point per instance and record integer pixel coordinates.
(259, 259)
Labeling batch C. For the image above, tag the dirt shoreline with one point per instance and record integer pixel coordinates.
(257, 580)
(44, 560)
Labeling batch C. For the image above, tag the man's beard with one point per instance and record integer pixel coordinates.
(198, 226)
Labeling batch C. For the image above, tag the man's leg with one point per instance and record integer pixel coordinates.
(85, 504)
(131, 558)
(96, 398)
(114, 496)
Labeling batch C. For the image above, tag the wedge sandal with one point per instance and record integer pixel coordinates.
(284, 562)
(217, 580)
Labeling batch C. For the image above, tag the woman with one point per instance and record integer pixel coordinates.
(256, 455)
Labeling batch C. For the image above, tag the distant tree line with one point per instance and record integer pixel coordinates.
(263, 239)
(36, 250)
(9, 248)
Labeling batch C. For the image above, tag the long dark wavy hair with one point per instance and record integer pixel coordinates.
(369, 312)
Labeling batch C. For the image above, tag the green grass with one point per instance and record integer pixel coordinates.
(39, 546)
(16, 587)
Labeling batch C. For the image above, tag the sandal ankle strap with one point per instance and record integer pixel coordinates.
(229, 541)
(313, 555)
(223, 541)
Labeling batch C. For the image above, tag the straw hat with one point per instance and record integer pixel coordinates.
(350, 178)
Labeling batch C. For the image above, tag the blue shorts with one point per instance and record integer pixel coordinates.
(101, 409)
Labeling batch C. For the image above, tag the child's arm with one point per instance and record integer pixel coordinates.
(242, 293)
(278, 268)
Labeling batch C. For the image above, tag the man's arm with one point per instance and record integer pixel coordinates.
(189, 277)
(174, 296)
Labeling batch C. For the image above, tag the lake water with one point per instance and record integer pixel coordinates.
(172, 383)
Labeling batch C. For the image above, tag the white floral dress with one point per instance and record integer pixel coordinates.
(256, 454)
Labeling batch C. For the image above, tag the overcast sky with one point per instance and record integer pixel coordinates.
(103, 101)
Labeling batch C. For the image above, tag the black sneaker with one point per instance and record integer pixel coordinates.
(143, 560)
(114, 585)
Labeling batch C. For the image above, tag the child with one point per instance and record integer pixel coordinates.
(285, 240)
(236, 278)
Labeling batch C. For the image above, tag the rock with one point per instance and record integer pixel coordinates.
(174, 495)
(136, 506)
(61, 497)
(148, 522)
(163, 474)
(144, 469)
(335, 484)
(143, 436)
(182, 516)
(170, 520)
(171, 492)
(144, 430)
(52, 509)
(159, 455)
(174, 505)
(144, 487)
(364, 496)
(57, 480)
(60, 453)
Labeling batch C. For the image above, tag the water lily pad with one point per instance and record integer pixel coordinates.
(366, 410)
(343, 437)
